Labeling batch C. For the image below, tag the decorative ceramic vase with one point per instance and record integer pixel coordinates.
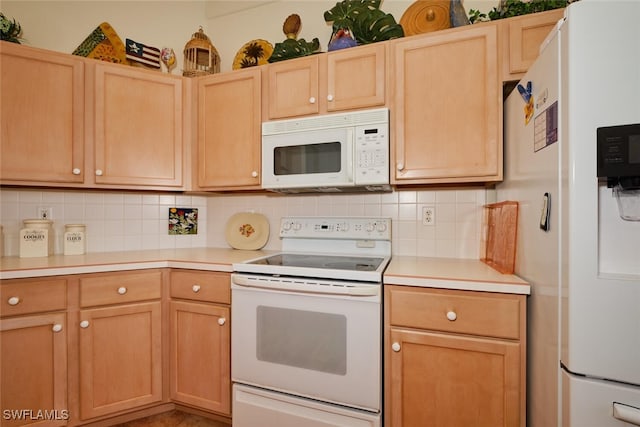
(457, 14)
(341, 39)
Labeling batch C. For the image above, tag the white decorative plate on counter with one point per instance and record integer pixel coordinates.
(246, 230)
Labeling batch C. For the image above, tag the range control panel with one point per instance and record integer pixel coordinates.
(356, 228)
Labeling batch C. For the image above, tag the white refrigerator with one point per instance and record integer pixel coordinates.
(580, 256)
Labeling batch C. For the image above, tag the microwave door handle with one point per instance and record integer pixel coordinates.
(351, 148)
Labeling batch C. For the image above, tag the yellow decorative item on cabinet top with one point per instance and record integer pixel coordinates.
(255, 52)
(104, 44)
(246, 230)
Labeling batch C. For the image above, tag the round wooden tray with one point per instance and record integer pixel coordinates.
(425, 16)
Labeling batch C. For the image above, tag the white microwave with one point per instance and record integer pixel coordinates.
(328, 153)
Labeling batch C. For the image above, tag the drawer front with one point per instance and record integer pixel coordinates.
(120, 288)
(201, 286)
(25, 296)
(465, 312)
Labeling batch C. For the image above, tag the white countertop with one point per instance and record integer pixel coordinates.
(212, 259)
(448, 273)
(452, 273)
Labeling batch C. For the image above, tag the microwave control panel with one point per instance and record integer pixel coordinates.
(372, 154)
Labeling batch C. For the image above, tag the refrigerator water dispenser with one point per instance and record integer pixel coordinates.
(619, 164)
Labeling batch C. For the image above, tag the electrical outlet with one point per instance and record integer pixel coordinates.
(428, 215)
(45, 212)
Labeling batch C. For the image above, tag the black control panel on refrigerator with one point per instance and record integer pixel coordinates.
(619, 155)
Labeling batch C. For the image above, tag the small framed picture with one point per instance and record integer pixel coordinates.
(183, 221)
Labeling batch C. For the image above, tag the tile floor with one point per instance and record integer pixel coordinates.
(174, 419)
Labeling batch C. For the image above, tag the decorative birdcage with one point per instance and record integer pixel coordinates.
(200, 56)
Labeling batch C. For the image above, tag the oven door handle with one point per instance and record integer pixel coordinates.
(302, 286)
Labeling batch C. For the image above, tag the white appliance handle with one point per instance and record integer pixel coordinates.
(351, 152)
(307, 287)
(626, 413)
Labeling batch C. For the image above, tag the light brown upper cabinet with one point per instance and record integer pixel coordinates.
(346, 79)
(69, 121)
(229, 130)
(138, 127)
(523, 37)
(42, 117)
(446, 117)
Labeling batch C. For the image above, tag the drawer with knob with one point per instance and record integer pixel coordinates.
(119, 288)
(465, 312)
(206, 286)
(25, 296)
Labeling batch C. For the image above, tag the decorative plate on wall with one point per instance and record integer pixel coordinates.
(249, 231)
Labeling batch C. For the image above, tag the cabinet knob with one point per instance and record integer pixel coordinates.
(98, 172)
(13, 301)
(451, 315)
(57, 327)
(195, 288)
(254, 174)
(312, 100)
(76, 171)
(122, 290)
(431, 15)
(400, 166)
(395, 347)
(329, 98)
(84, 324)
(222, 321)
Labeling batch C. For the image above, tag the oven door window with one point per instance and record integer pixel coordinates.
(304, 339)
(307, 159)
(324, 347)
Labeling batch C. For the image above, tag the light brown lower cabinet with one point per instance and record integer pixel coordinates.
(89, 348)
(454, 358)
(33, 377)
(120, 345)
(33, 353)
(200, 353)
(200, 362)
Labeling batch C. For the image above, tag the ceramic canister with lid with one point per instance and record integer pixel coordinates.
(36, 238)
(74, 239)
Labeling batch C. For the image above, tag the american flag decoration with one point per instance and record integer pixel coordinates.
(145, 55)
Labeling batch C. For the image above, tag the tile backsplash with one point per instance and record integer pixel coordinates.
(115, 221)
(119, 221)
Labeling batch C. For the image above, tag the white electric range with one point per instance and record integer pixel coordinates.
(307, 326)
